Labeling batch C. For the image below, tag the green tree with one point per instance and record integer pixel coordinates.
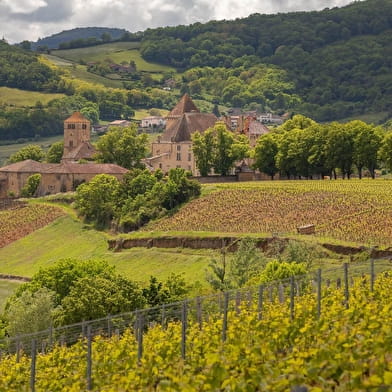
(367, 142)
(173, 289)
(246, 263)
(31, 186)
(265, 154)
(122, 146)
(202, 147)
(96, 297)
(55, 152)
(385, 152)
(62, 275)
(30, 312)
(224, 154)
(340, 148)
(278, 270)
(97, 200)
(32, 151)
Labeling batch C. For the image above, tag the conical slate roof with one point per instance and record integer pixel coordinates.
(185, 105)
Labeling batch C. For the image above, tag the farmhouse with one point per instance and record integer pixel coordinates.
(64, 176)
(174, 147)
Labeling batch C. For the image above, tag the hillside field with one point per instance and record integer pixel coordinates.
(68, 237)
(24, 98)
(116, 52)
(358, 211)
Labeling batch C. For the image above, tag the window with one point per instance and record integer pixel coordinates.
(69, 126)
(84, 126)
(178, 148)
(160, 165)
(71, 143)
(189, 156)
(73, 126)
(178, 156)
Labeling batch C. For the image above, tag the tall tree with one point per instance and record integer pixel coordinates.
(367, 142)
(265, 154)
(122, 146)
(202, 147)
(385, 152)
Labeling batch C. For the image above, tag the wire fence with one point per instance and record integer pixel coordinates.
(199, 310)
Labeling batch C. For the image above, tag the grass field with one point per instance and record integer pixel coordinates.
(7, 287)
(23, 98)
(117, 52)
(68, 237)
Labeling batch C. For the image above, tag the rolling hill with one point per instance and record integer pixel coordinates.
(53, 41)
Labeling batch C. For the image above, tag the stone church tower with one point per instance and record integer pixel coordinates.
(77, 132)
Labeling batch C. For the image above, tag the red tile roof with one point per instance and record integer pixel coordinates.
(76, 117)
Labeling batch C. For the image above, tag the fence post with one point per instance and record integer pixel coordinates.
(225, 310)
(183, 329)
(199, 313)
(109, 326)
(372, 275)
(17, 351)
(292, 287)
(51, 335)
(281, 293)
(139, 333)
(33, 365)
(89, 359)
(237, 302)
(163, 319)
(318, 293)
(260, 301)
(346, 289)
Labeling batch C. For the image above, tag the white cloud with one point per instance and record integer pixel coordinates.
(24, 6)
(30, 19)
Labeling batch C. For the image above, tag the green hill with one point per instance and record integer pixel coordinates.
(339, 58)
(53, 41)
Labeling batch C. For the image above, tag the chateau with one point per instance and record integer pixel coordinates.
(64, 176)
(174, 147)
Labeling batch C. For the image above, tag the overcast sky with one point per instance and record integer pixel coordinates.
(31, 19)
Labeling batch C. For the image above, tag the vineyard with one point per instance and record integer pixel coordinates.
(355, 211)
(338, 340)
(19, 222)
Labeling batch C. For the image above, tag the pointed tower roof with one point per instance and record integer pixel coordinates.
(76, 117)
(185, 105)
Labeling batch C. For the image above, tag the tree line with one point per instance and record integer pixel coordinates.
(303, 148)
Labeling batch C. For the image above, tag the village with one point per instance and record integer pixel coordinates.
(172, 149)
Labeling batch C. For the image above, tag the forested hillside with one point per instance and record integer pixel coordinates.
(339, 59)
(94, 34)
(22, 69)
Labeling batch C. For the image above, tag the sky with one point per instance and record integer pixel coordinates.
(32, 19)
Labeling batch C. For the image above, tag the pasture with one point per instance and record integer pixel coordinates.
(117, 52)
(24, 98)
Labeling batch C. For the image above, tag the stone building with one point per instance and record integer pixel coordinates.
(173, 148)
(64, 176)
(77, 134)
